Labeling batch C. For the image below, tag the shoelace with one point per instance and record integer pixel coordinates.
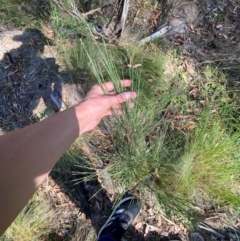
(124, 220)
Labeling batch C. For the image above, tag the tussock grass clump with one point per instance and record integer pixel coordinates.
(211, 162)
(33, 223)
(22, 14)
(145, 150)
(70, 158)
(148, 152)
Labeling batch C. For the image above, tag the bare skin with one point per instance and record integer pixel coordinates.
(28, 155)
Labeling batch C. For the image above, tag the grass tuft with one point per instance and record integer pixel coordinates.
(33, 223)
(145, 151)
(149, 151)
(211, 162)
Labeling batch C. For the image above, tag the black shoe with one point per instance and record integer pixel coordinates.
(122, 216)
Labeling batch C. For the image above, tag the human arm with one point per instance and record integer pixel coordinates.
(28, 155)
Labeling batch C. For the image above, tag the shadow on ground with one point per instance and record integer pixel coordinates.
(31, 85)
(26, 79)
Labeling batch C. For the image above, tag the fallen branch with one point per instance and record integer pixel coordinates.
(124, 13)
(156, 35)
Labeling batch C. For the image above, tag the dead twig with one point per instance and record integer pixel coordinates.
(133, 24)
(167, 220)
(75, 13)
(162, 31)
(216, 60)
(84, 15)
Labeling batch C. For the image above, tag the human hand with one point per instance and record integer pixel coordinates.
(100, 102)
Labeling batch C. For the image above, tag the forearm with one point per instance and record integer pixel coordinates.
(29, 156)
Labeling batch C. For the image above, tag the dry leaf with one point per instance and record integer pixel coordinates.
(139, 225)
(134, 66)
(219, 26)
(151, 228)
(225, 36)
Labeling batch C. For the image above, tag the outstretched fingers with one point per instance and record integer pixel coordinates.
(119, 107)
(124, 96)
(114, 111)
(116, 100)
(109, 87)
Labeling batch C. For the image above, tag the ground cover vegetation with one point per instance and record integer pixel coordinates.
(33, 223)
(180, 142)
